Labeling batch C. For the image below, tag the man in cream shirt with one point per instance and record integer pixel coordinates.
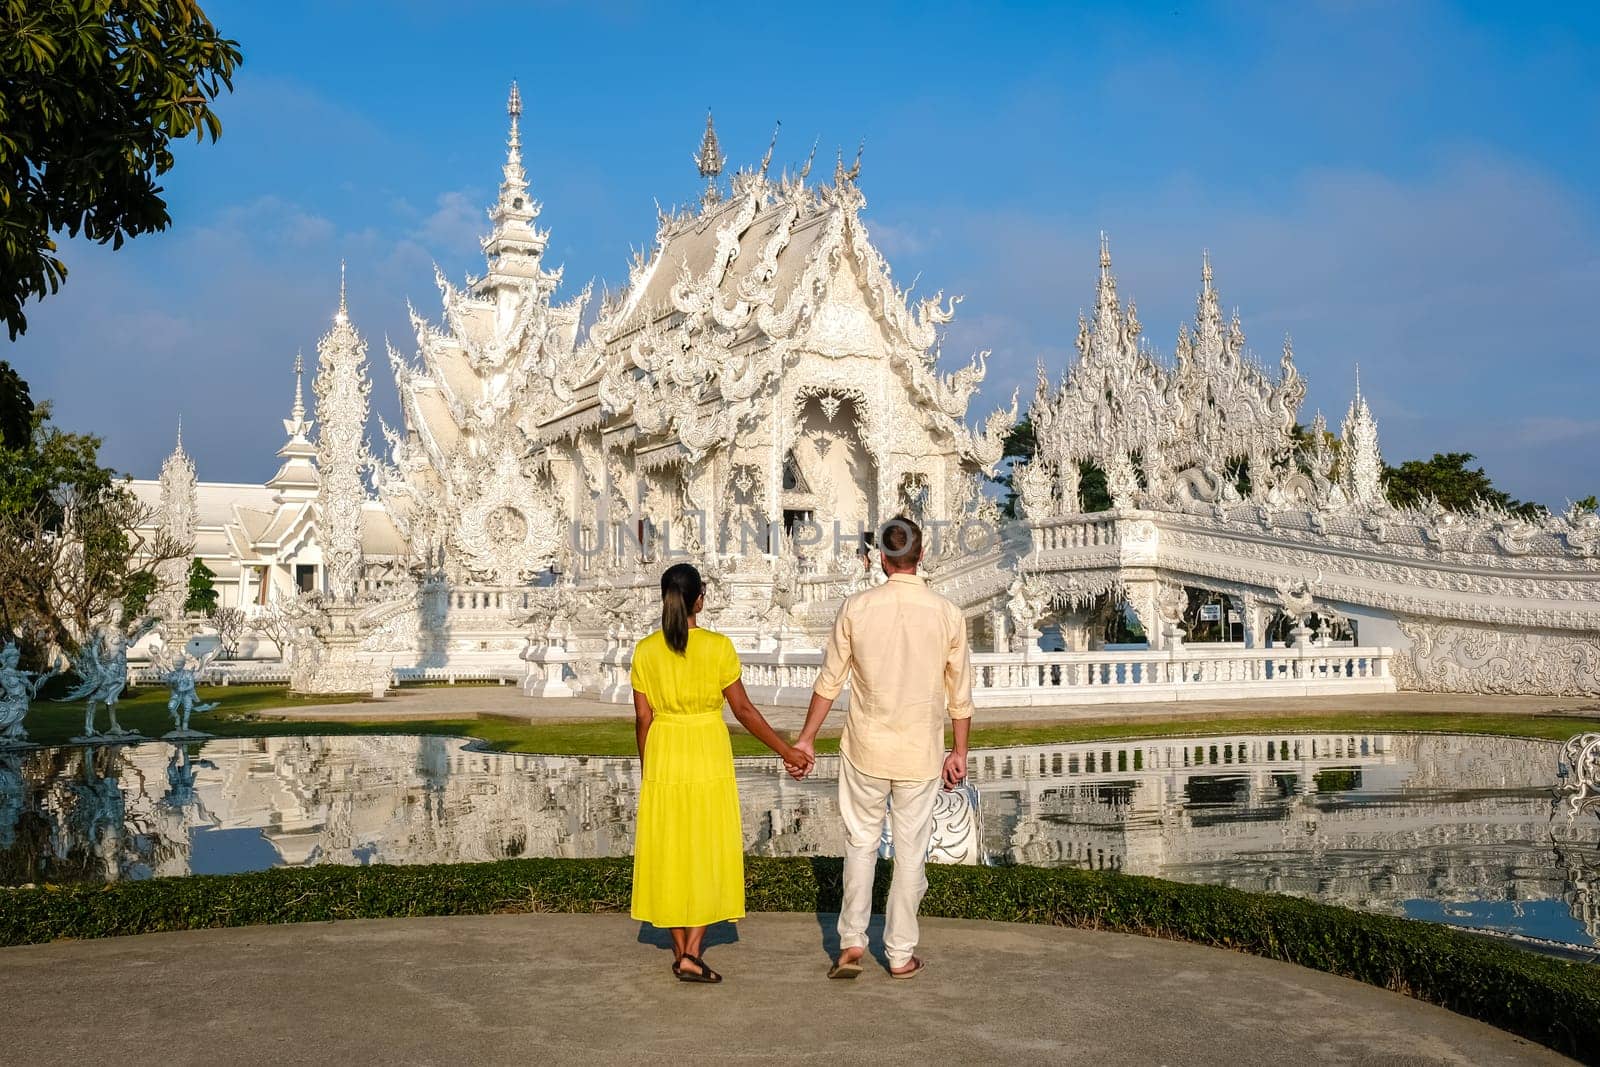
(903, 649)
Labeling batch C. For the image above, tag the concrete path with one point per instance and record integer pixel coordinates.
(470, 701)
(520, 989)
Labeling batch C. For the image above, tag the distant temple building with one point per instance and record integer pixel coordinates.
(761, 397)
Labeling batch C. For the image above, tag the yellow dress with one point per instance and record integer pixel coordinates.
(688, 853)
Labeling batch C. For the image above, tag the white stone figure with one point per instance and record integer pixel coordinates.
(18, 688)
(1034, 483)
(957, 836)
(102, 666)
(182, 675)
(12, 797)
(1578, 774)
(1026, 602)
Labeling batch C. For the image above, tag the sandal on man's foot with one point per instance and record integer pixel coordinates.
(912, 969)
(843, 968)
(705, 975)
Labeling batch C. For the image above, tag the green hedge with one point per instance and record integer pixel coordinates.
(1552, 1001)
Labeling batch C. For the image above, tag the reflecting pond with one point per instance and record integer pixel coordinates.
(1449, 828)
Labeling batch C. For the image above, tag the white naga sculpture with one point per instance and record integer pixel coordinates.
(182, 674)
(1578, 774)
(17, 691)
(102, 664)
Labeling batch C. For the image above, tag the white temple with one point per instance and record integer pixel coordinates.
(761, 397)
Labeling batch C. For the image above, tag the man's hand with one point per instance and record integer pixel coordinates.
(798, 762)
(807, 750)
(955, 768)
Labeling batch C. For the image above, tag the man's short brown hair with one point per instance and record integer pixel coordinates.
(902, 541)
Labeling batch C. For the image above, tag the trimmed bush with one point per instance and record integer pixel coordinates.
(1551, 1001)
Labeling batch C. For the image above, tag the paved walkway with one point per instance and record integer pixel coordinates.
(596, 989)
(470, 701)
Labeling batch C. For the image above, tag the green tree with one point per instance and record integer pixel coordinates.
(202, 598)
(1021, 444)
(73, 539)
(1588, 503)
(92, 94)
(16, 408)
(1448, 479)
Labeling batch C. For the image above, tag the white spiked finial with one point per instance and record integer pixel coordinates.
(709, 160)
(342, 316)
(514, 109)
(298, 413)
(766, 160)
(805, 171)
(180, 432)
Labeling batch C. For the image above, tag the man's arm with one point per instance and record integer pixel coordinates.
(955, 764)
(830, 682)
(958, 700)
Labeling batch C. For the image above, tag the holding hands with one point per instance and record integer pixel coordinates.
(800, 759)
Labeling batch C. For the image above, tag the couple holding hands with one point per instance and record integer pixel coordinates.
(903, 649)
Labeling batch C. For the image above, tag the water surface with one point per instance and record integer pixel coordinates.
(1453, 829)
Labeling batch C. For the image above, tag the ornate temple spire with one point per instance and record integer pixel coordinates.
(1208, 312)
(297, 478)
(178, 506)
(709, 161)
(342, 316)
(766, 160)
(514, 244)
(341, 389)
(297, 412)
(1363, 468)
(840, 175)
(179, 514)
(1108, 312)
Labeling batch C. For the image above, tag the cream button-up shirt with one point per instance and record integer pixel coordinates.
(903, 649)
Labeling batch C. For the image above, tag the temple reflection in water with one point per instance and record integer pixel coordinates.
(1452, 828)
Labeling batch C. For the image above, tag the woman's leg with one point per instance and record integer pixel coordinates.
(694, 937)
(680, 938)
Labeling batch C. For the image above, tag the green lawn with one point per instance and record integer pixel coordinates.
(246, 711)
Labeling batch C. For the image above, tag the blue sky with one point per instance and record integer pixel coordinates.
(1407, 186)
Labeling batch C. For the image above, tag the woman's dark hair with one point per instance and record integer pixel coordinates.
(681, 586)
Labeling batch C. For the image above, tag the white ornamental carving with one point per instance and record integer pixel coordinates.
(510, 532)
(341, 388)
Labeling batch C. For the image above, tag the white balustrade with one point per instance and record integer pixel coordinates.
(1030, 679)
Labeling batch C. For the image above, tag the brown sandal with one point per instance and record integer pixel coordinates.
(910, 972)
(846, 969)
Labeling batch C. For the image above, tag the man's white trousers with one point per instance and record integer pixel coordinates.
(864, 801)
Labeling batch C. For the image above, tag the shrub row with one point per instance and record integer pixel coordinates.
(1555, 1002)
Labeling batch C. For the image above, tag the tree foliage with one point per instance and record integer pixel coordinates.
(92, 93)
(1448, 479)
(73, 539)
(202, 598)
(16, 408)
(1021, 444)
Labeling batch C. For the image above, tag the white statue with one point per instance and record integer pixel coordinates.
(17, 691)
(181, 678)
(1578, 774)
(103, 666)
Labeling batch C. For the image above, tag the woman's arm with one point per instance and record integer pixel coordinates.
(751, 719)
(643, 715)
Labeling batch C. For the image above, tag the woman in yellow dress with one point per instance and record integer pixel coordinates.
(688, 857)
